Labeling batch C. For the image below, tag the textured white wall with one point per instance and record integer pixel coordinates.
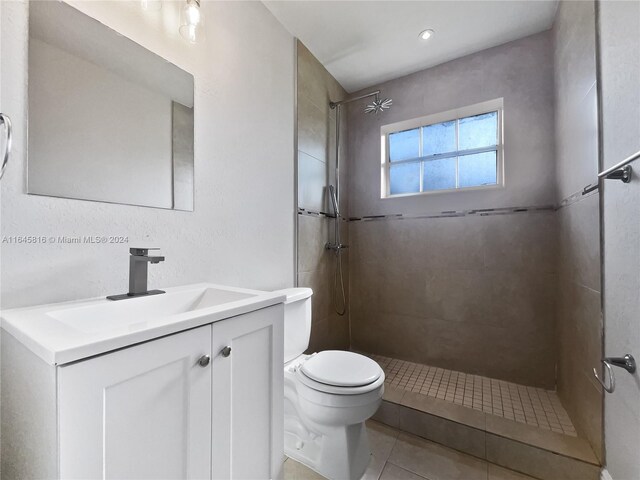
(241, 232)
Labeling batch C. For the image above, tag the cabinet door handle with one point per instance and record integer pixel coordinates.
(226, 351)
(204, 360)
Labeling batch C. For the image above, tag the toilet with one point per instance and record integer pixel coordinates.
(327, 398)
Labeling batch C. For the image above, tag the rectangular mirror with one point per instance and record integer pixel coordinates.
(109, 120)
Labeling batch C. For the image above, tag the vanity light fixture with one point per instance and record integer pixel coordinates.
(426, 34)
(192, 21)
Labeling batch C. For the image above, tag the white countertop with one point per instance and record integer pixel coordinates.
(65, 332)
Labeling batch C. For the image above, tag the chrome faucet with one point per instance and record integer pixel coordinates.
(138, 268)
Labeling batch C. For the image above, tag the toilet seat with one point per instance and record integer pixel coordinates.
(340, 373)
(341, 368)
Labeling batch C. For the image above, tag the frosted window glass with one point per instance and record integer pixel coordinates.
(404, 178)
(439, 174)
(476, 170)
(478, 131)
(439, 138)
(404, 145)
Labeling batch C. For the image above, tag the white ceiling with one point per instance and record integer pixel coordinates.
(363, 43)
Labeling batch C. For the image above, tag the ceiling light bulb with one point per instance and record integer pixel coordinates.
(426, 34)
(191, 21)
(151, 5)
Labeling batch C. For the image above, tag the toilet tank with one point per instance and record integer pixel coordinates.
(297, 321)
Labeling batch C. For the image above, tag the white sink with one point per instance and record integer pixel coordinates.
(137, 313)
(65, 332)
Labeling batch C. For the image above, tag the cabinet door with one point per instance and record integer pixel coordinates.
(248, 395)
(143, 412)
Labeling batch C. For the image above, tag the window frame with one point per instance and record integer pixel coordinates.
(496, 105)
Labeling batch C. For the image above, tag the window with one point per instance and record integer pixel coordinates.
(448, 151)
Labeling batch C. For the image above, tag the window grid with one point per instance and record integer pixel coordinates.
(452, 154)
(420, 151)
(494, 106)
(457, 158)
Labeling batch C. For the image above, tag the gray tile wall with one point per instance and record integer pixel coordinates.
(579, 324)
(521, 72)
(316, 167)
(475, 294)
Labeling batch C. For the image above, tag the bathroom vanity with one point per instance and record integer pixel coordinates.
(187, 384)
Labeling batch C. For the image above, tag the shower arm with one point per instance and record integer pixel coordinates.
(333, 105)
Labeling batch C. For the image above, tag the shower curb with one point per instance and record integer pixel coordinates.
(541, 454)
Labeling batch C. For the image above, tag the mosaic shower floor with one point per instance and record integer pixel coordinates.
(529, 405)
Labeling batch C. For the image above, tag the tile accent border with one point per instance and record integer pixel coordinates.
(312, 213)
(575, 198)
(482, 212)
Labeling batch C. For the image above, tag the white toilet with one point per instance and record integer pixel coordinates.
(327, 398)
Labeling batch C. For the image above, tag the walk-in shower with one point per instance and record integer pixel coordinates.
(378, 105)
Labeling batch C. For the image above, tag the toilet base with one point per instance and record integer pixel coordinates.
(341, 453)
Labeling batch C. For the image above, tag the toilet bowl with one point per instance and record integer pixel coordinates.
(328, 397)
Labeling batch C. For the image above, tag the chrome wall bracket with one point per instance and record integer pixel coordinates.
(620, 165)
(623, 174)
(627, 362)
(620, 171)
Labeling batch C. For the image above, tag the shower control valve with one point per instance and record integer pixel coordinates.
(336, 247)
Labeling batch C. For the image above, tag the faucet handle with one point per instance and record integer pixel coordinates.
(140, 252)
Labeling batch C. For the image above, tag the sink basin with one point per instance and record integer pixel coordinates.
(136, 313)
(66, 332)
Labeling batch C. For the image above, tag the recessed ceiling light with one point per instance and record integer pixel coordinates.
(426, 34)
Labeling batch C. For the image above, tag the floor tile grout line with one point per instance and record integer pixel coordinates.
(483, 461)
(386, 460)
(407, 470)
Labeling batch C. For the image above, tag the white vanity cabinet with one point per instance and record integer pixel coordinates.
(248, 397)
(197, 404)
(140, 412)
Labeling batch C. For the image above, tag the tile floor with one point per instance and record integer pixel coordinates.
(400, 456)
(533, 406)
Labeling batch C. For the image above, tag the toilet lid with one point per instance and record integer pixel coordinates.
(342, 369)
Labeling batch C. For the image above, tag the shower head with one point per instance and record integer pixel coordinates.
(378, 105)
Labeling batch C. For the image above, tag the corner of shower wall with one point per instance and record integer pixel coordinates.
(316, 140)
(579, 328)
